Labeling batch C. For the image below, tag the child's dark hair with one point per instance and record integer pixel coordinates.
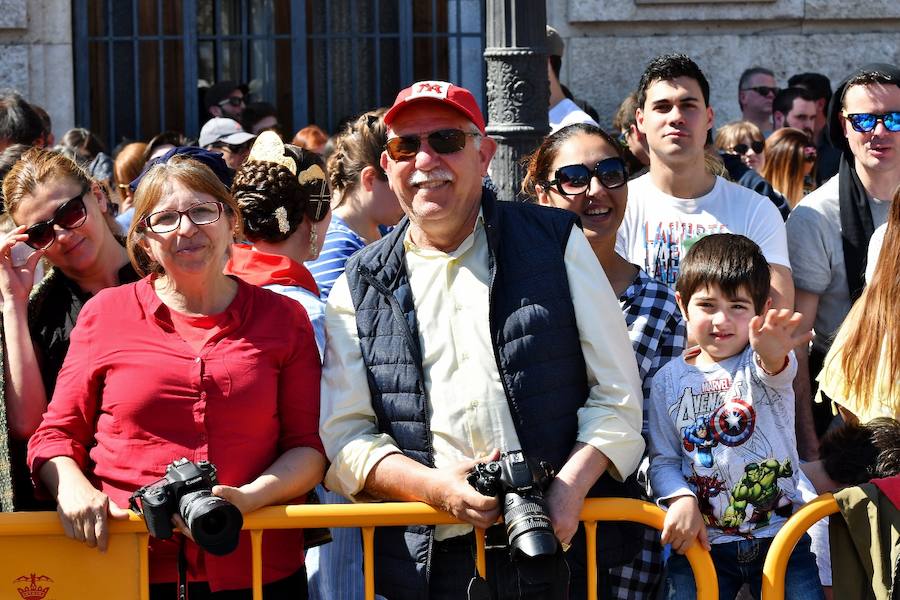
(853, 454)
(729, 262)
(668, 67)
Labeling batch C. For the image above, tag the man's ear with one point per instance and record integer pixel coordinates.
(486, 151)
(639, 120)
(710, 117)
(777, 119)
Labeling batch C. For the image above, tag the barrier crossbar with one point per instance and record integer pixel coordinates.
(775, 567)
(38, 558)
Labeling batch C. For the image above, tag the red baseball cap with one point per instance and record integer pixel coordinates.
(453, 96)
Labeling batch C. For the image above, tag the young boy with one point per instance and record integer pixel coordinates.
(723, 455)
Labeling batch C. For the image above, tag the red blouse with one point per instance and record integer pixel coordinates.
(133, 396)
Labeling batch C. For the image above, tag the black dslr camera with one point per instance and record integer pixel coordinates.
(186, 489)
(520, 483)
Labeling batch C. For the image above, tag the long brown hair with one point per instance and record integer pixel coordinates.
(785, 161)
(871, 331)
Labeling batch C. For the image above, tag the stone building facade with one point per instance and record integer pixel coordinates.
(36, 56)
(609, 42)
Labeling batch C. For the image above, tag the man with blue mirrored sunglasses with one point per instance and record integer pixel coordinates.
(829, 231)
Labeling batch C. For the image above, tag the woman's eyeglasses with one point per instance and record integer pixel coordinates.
(70, 215)
(866, 122)
(743, 149)
(442, 141)
(165, 221)
(572, 180)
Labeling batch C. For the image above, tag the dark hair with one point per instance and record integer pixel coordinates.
(816, 84)
(868, 78)
(358, 146)
(668, 67)
(45, 120)
(854, 453)
(728, 261)
(8, 158)
(19, 123)
(537, 164)
(784, 100)
(272, 199)
(255, 112)
(556, 64)
(165, 138)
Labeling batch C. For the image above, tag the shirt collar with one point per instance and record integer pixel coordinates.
(154, 307)
(464, 247)
(262, 268)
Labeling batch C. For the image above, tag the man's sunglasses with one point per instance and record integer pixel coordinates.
(442, 141)
(865, 122)
(764, 90)
(70, 215)
(572, 180)
(233, 101)
(743, 149)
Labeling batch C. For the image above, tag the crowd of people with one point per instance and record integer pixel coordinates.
(359, 317)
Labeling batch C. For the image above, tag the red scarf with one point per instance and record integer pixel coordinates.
(261, 268)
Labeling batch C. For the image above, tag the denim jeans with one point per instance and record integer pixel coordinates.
(741, 562)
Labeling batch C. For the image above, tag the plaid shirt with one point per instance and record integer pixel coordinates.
(657, 334)
(654, 325)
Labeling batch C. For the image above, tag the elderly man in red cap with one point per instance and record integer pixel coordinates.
(476, 328)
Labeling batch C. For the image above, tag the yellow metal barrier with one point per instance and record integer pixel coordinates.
(779, 553)
(37, 555)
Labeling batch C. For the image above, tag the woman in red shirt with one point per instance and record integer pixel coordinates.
(187, 362)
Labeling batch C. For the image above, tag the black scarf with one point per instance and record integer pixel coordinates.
(856, 214)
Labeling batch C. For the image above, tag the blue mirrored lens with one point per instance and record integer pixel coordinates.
(892, 121)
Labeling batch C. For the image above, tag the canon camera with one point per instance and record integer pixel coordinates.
(520, 485)
(186, 489)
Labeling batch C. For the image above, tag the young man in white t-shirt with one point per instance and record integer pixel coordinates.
(679, 200)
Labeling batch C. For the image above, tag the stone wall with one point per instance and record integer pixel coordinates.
(36, 56)
(609, 42)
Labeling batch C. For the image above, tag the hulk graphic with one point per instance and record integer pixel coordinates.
(759, 487)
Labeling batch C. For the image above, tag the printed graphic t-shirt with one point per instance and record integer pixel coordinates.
(659, 229)
(724, 433)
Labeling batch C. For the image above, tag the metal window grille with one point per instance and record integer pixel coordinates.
(139, 63)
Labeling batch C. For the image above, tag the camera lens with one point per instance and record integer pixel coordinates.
(214, 522)
(528, 526)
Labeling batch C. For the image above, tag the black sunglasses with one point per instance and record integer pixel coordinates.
(70, 215)
(743, 149)
(764, 90)
(232, 100)
(442, 141)
(571, 180)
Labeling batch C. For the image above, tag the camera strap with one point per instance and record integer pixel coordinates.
(182, 571)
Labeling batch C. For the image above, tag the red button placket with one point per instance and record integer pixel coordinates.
(199, 412)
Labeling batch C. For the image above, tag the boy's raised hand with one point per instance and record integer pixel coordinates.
(774, 335)
(684, 524)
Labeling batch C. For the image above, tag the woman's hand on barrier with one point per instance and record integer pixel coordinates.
(16, 280)
(84, 511)
(684, 524)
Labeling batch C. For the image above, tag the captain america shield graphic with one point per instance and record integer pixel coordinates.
(733, 422)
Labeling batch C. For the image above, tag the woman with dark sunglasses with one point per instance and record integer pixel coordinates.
(187, 362)
(791, 158)
(580, 168)
(63, 217)
(744, 140)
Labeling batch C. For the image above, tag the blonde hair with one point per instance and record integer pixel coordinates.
(357, 146)
(871, 331)
(732, 134)
(155, 184)
(785, 160)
